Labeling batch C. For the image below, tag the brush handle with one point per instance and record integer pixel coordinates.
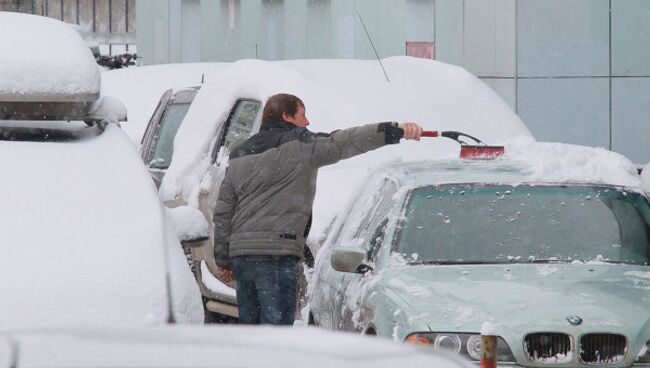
(430, 133)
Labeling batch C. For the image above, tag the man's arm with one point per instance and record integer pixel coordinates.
(346, 143)
(222, 218)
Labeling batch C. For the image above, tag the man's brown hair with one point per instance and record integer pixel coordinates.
(278, 104)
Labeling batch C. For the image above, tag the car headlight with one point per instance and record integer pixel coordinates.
(467, 345)
(644, 354)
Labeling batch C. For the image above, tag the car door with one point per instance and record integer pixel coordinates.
(243, 121)
(349, 314)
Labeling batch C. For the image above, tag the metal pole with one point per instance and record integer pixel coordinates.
(488, 351)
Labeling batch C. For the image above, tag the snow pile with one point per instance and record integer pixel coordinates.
(558, 162)
(45, 57)
(645, 178)
(345, 93)
(140, 88)
(108, 110)
(217, 346)
(189, 223)
(85, 237)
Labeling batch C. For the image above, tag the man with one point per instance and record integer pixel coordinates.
(265, 202)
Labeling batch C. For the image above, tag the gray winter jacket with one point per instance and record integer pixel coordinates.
(266, 197)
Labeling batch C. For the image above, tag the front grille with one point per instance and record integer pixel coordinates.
(603, 348)
(548, 347)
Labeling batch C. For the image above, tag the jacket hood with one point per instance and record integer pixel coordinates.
(277, 125)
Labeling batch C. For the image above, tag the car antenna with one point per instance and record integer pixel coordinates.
(202, 77)
(373, 45)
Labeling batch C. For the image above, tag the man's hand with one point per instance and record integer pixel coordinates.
(411, 130)
(225, 273)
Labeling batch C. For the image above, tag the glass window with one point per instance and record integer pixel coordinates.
(163, 148)
(567, 110)
(240, 123)
(501, 224)
(562, 38)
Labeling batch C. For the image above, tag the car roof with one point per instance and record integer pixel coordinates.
(418, 174)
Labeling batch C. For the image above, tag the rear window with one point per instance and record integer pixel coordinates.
(500, 224)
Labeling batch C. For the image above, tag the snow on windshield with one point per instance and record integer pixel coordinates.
(27, 40)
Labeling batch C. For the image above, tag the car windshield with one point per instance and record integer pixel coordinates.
(164, 146)
(501, 224)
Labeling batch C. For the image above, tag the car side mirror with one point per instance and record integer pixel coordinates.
(190, 225)
(107, 110)
(345, 259)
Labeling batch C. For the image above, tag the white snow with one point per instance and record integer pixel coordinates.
(140, 88)
(108, 110)
(216, 346)
(645, 179)
(85, 237)
(189, 222)
(558, 162)
(28, 40)
(488, 329)
(214, 284)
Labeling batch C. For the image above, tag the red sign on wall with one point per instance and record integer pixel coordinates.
(421, 49)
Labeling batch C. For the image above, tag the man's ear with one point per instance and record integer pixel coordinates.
(287, 117)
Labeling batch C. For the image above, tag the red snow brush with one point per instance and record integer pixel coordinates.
(475, 151)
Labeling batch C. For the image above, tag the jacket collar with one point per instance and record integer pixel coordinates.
(278, 125)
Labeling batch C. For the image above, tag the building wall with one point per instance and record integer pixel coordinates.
(576, 71)
(108, 23)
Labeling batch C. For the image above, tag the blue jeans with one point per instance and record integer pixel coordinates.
(266, 289)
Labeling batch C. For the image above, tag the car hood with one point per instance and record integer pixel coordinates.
(520, 298)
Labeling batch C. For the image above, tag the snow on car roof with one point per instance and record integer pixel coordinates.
(140, 88)
(528, 162)
(44, 59)
(83, 233)
(340, 94)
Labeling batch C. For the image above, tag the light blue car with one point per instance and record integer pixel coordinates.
(427, 252)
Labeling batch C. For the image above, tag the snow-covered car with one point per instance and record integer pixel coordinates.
(86, 240)
(210, 346)
(338, 94)
(550, 243)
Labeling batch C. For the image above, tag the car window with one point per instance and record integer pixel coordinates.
(500, 224)
(378, 220)
(367, 213)
(163, 142)
(153, 125)
(239, 125)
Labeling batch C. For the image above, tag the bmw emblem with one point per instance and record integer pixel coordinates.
(574, 320)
